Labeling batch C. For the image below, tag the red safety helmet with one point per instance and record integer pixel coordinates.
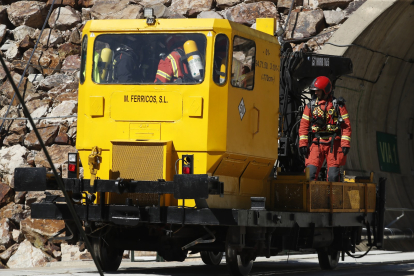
(173, 40)
(321, 83)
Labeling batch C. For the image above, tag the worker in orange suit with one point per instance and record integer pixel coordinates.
(172, 68)
(326, 128)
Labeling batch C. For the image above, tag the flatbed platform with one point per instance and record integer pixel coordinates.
(132, 215)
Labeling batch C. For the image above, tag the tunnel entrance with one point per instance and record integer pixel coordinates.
(379, 38)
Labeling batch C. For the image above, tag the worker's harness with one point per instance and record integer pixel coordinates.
(119, 52)
(322, 122)
(183, 59)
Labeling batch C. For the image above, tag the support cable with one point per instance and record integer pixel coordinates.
(370, 81)
(203, 239)
(40, 118)
(52, 68)
(57, 177)
(28, 62)
(307, 38)
(372, 50)
(348, 45)
(358, 256)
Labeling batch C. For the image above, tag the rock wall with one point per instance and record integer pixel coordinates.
(50, 89)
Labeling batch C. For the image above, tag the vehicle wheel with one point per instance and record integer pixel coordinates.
(328, 258)
(108, 257)
(211, 258)
(238, 264)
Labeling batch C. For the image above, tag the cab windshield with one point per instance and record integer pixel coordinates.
(149, 59)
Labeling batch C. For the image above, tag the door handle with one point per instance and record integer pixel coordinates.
(258, 120)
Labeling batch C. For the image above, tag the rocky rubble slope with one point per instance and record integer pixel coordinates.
(50, 89)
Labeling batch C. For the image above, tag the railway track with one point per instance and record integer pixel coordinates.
(378, 263)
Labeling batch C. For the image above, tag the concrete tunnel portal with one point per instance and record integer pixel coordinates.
(379, 38)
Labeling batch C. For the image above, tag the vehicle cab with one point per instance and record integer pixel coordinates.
(220, 118)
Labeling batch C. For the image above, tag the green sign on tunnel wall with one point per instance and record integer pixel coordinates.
(388, 152)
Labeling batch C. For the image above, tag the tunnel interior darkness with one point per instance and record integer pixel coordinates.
(380, 98)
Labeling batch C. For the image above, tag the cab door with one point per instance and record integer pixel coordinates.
(253, 108)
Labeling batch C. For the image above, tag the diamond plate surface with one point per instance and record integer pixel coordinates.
(337, 197)
(320, 197)
(289, 196)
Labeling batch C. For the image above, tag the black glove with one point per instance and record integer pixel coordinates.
(345, 150)
(304, 151)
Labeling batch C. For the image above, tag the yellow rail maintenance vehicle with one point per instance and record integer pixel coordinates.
(180, 123)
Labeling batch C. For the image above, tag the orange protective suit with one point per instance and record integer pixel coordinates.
(171, 68)
(323, 126)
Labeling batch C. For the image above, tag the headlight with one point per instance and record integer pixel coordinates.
(148, 12)
(149, 15)
(73, 157)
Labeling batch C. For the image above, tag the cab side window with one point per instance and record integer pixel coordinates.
(244, 53)
(83, 59)
(221, 52)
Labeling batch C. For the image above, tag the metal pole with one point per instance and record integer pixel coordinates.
(381, 211)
